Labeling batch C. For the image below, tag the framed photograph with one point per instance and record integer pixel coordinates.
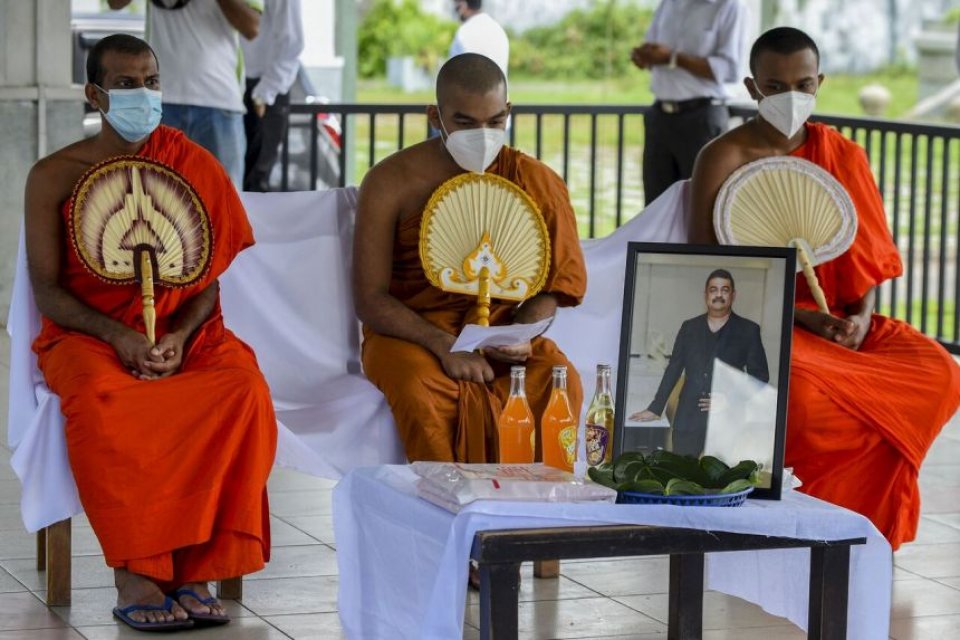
(705, 354)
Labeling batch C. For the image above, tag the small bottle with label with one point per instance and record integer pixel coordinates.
(600, 420)
(558, 427)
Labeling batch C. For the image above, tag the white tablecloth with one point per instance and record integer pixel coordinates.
(403, 561)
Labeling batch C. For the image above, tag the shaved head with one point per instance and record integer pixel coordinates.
(469, 73)
(782, 41)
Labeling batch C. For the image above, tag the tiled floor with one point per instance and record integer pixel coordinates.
(296, 596)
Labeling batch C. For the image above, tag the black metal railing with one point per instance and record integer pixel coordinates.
(598, 149)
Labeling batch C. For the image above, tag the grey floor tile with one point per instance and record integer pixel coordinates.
(535, 589)
(283, 534)
(950, 519)
(621, 576)
(765, 633)
(318, 527)
(926, 628)
(9, 491)
(42, 634)
(950, 582)
(283, 596)
(291, 562)
(586, 617)
(10, 519)
(20, 544)
(88, 572)
(292, 480)
(301, 503)
(930, 560)
(944, 451)
(720, 611)
(9, 584)
(931, 531)
(240, 629)
(19, 611)
(942, 475)
(916, 598)
(313, 626)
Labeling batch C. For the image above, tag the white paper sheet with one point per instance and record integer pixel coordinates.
(474, 336)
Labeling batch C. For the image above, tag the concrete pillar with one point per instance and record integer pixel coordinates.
(40, 111)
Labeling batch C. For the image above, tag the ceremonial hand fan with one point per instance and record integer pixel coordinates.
(482, 235)
(787, 202)
(136, 220)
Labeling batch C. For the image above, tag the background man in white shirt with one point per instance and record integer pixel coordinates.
(480, 33)
(197, 46)
(272, 60)
(692, 48)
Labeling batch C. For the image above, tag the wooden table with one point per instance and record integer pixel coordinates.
(499, 554)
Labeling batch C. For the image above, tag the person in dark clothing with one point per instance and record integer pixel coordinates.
(717, 334)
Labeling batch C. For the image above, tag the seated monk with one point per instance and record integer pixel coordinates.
(446, 405)
(868, 394)
(170, 444)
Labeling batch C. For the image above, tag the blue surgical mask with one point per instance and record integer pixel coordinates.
(133, 113)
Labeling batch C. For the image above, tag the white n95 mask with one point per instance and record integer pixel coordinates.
(474, 149)
(787, 111)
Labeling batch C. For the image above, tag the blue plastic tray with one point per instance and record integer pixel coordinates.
(713, 500)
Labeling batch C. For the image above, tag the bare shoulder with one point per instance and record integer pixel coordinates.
(725, 154)
(54, 176)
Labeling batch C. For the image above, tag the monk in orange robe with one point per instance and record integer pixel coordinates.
(171, 444)
(868, 394)
(446, 405)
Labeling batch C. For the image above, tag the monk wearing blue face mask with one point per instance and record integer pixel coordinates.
(868, 394)
(437, 396)
(170, 443)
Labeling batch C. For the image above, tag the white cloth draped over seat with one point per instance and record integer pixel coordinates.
(289, 297)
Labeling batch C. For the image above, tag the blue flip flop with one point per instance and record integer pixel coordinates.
(200, 619)
(174, 625)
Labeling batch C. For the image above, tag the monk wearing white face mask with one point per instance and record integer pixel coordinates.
(409, 325)
(868, 394)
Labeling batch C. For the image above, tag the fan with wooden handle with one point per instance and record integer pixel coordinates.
(787, 202)
(482, 235)
(136, 220)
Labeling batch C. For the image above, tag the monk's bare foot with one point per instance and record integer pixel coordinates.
(133, 589)
(194, 606)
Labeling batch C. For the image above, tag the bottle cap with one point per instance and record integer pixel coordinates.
(560, 368)
(517, 369)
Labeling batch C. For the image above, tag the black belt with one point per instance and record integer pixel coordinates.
(682, 106)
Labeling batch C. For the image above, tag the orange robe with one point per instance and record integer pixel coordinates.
(172, 472)
(442, 419)
(860, 422)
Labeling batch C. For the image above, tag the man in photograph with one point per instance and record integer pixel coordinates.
(717, 334)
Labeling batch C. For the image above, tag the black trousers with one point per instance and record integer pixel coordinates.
(264, 136)
(672, 142)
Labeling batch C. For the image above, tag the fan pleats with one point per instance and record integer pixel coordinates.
(125, 206)
(774, 201)
(466, 207)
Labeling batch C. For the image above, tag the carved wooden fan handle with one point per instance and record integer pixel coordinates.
(146, 290)
(812, 280)
(483, 298)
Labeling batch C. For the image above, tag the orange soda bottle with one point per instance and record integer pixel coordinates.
(600, 420)
(558, 427)
(516, 426)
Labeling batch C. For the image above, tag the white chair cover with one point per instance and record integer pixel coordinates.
(289, 297)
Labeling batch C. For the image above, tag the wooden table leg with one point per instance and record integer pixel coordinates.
(546, 569)
(829, 581)
(230, 588)
(42, 549)
(59, 559)
(499, 594)
(685, 617)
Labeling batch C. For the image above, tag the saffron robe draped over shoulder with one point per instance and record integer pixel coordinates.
(441, 419)
(860, 422)
(171, 472)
